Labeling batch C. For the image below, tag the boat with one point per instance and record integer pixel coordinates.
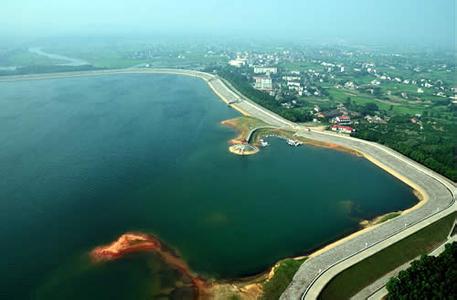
(233, 101)
(294, 143)
(263, 143)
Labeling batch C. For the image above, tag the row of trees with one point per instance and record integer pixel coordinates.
(429, 147)
(434, 146)
(428, 278)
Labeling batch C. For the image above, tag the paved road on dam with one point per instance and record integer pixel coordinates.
(316, 272)
(323, 265)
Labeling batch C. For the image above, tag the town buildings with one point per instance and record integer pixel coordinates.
(263, 83)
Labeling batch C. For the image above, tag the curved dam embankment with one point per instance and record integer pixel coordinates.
(437, 200)
(438, 193)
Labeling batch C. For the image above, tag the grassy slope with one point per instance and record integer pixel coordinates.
(273, 288)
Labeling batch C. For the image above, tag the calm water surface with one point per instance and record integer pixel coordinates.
(85, 160)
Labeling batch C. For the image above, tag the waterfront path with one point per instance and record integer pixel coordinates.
(438, 192)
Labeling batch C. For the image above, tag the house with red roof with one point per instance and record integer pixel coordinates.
(343, 120)
(343, 129)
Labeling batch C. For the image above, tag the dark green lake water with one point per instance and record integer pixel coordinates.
(85, 160)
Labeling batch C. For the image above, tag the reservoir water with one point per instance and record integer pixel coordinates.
(84, 160)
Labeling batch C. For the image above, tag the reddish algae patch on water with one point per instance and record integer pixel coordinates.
(139, 242)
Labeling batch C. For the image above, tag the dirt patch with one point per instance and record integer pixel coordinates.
(379, 219)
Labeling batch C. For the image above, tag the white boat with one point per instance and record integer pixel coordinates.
(293, 143)
(263, 143)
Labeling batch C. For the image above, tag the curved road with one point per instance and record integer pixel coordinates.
(316, 272)
(249, 136)
(323, 265)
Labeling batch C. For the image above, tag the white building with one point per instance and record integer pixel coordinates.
(375, 82)
(291, 78)
(263, 83)
(238, 62)
(293, 83)
(265, 70)
(350, 85)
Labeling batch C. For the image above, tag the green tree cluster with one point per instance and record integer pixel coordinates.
(428, 278)
(432, 147)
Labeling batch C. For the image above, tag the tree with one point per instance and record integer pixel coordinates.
(427, 278)
(371, 107)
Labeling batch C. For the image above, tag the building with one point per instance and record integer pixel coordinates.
(293, 83)
(343, 129)
(265, 70)
(263, 83)
(238, 62)
(328, 114)
(375, 82)
(343, 120)
(375, 119)
(350, 85)
(291, 78)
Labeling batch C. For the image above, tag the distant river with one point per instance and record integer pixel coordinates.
(85, 160)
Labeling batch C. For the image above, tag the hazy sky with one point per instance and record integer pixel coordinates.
(431, 21)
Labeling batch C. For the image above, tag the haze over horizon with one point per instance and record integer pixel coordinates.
(408, 21)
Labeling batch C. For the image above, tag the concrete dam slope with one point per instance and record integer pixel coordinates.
(438, 192)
